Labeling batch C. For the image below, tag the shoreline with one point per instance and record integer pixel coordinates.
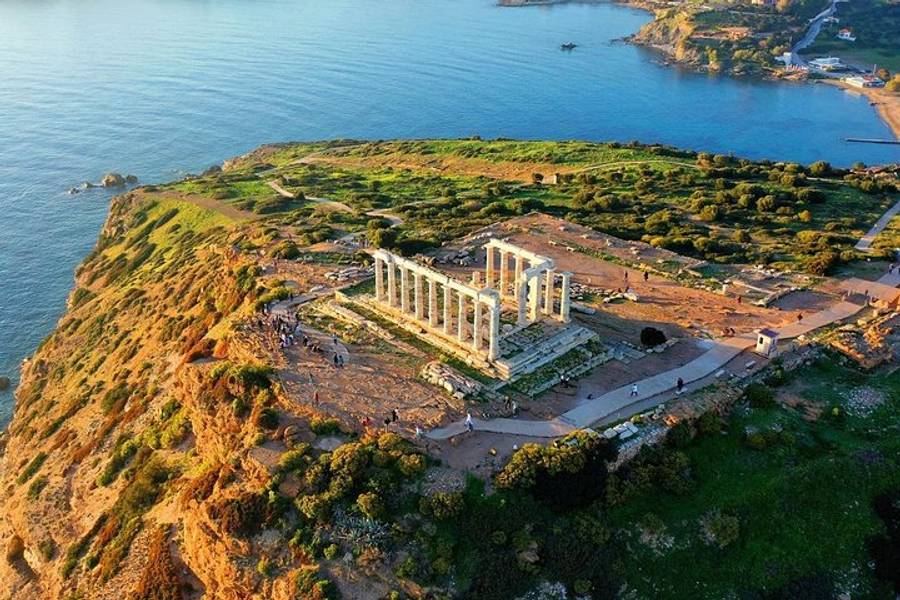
(885, 103)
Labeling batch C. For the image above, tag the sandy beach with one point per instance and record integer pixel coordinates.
(886, 103)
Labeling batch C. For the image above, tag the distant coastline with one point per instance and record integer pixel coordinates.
(886, 103)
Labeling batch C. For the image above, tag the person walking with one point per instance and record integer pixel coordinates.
(646, 276)
(634, 390)
(395, 416)
(679, 386)
(470, 425)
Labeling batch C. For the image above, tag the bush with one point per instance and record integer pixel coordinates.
(442, 505)
(325, 425)
(652, 337)
(719, 529)
(370, 504)
(759, 395)
(577, 463)
(267, 418)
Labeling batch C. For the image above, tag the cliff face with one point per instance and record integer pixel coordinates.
(114, 439)
(670, 33)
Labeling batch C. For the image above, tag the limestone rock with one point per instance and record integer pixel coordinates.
(112, 180)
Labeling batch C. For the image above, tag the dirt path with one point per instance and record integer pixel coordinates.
(210, 204)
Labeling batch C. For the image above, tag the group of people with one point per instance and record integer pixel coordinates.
(286, 328)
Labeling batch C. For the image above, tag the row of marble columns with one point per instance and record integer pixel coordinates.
(413, 278)
(532, 275)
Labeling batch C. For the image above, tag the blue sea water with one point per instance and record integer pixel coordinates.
(160, 87)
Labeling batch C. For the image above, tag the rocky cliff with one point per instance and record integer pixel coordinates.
(119, 467)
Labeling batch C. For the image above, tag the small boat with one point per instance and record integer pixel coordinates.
(568, 46)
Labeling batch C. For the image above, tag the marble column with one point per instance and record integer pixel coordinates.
(432, 303)
(476, 325)
(461, 315)
(448, 322)
(520, 266)
(534, 297)
(521, 302)
(379, 279)
(489, 267)
(392, 283)
(418, 295)
(404, 289)
(504, 274)
(548, 292)
(494, 336)
(564, 301)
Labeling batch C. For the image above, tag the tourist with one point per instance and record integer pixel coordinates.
(634, 391)
(646, 276)
(740, 299)
(470, 425)
(316, 397)
(679, 386)
(395, 416)
(515, 408)
(508, 404)
(626, 275)
(335, 360)
(799, 317)
(418, 432)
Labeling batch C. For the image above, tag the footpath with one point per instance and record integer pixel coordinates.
(592, 411)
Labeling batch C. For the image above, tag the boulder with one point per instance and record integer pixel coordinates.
(112, 180)
(4, 383)
(213, 170)
(73, 191)
(132, 179)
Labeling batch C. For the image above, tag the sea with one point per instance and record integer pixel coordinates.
(160, 88)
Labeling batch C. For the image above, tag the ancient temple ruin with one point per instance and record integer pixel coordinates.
(465, 318)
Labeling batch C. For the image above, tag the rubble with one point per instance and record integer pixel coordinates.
(445, 376)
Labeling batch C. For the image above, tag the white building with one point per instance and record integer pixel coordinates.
(827, 63)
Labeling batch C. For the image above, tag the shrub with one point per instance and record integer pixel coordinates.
(442, 505)
(32, 467)
(370, 504)
(759, 395)
(325, 425)
(720, 529)
(652, 337)
(681, 434)
(267, 418)
(411, 465)
(331, 551)
(36, 487)
(576, 463)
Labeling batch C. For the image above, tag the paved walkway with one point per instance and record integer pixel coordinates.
(588, 413)
(865, 242)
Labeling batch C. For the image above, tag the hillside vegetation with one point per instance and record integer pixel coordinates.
(154, 454)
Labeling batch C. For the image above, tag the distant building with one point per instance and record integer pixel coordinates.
(846, 35)
(864, 81)
(763, 2)
(828, 63)
(766, 342)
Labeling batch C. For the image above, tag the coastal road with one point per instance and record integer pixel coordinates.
(815, 27)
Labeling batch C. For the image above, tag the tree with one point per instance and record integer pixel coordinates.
(383, 238)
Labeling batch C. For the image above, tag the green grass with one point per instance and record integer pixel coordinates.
(804, 508)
